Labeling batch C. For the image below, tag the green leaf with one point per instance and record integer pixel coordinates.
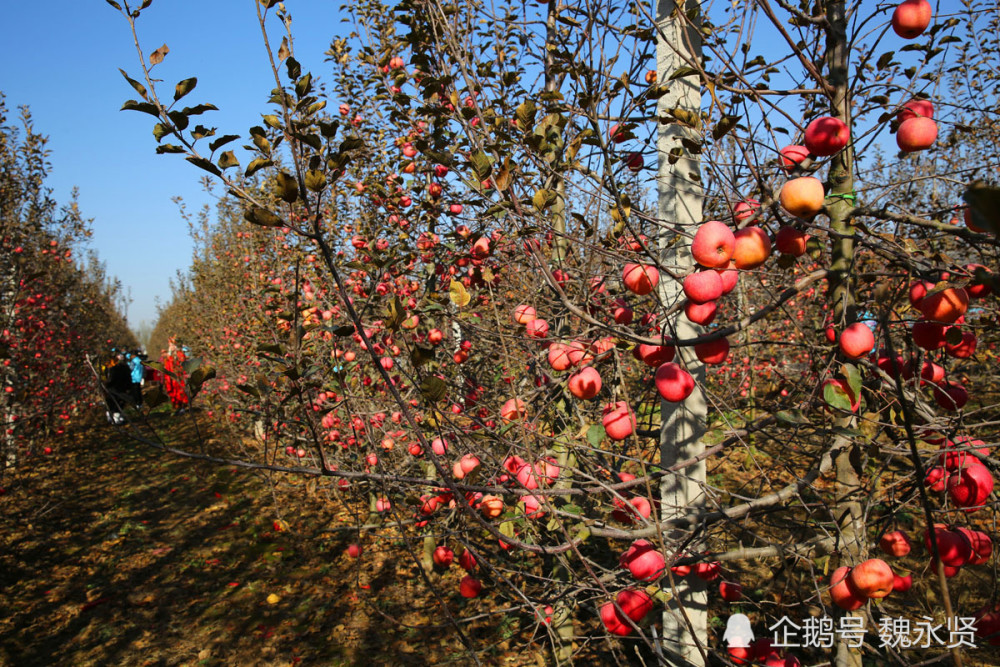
(885, 59)
(160, 130)
(343, 330)
(724, 126)
(202, 163)
(272, 121)
(201, 132)
(315, 180)
(287, 187)
(139, 88)
(145, 107)
(432, 388)
(681, 72)
(543, 199)
(310, 140)
(303, 85)
(836, 397)
(222, 141)
(507, 529)
(525, 114)
(201, 376)
(155, 396)
(191, 365)
(249, 389)
(317, 106)
(395, 313)
(184, 87)
(114, 4)
(481, 164)
(170, 148)
(421, 355)
(329, 130)
(263, 217)
(595, 435)
(257, 165)
(227, 160)
(794, 417)
(198, 109)
(351, 143)
(180, 120)
(984, 206)
(294, 69)
(853, 376)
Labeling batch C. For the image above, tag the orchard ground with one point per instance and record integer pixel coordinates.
(116, 554)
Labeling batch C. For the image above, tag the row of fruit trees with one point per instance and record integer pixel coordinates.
(58, 307)
(646, 317)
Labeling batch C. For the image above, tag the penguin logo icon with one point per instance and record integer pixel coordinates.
(738, 634)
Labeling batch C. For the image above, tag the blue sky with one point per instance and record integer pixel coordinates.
(62, 58)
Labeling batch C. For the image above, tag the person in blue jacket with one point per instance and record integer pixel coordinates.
(137, 369)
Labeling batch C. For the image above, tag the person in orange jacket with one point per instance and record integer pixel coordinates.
(173, 380)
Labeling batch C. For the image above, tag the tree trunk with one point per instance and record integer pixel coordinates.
(840, 203)
(680, 209)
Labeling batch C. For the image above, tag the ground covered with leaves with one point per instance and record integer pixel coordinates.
(112, 553)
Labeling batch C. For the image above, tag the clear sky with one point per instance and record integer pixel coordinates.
(61, 59)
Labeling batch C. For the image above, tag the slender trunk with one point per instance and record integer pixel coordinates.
(685, 620)
(552, 82)
(840, 202)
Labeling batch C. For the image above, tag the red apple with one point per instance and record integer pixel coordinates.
(618, 421)
(843, 593)
(585, 383)
(928, 335)
(802, 197)
(643, 561)
(700, 313)
(793, 156)
(971, 486)
(640, 278)
(856, 340)
(524, 314)
(826, 135)
(911, 18)
(713, 352)
(443, 556)
(746, 209)
(713, 244)
(731, 591)
(753, 247)
(673, 383)
(945, 306)
(703, 286)
(895, 543)
(791, 241)
(916, 109)
(872, 578)
(916, 134)
(469, 587)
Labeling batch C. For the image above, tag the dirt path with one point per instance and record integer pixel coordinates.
(112, 554)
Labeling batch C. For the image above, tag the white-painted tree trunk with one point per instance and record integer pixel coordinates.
(680, 209)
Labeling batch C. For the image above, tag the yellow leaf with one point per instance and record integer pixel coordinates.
(273, 599)
(459, 295)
